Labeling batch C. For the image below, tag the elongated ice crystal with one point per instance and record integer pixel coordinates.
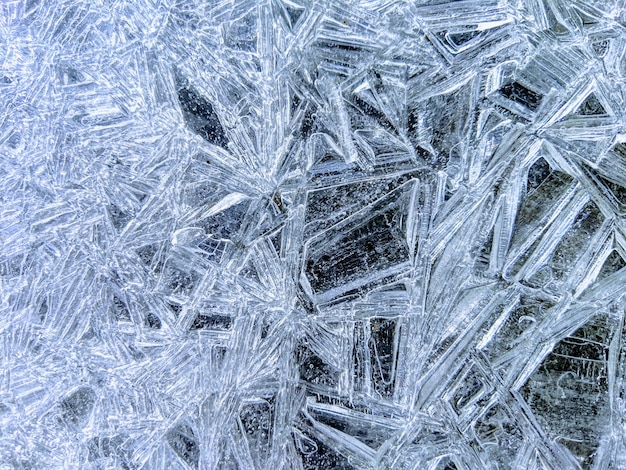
(292, 234)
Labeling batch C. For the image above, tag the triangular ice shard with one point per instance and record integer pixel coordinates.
(591, 107)
(613, 263)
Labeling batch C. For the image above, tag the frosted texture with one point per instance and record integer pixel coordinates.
(312, 235)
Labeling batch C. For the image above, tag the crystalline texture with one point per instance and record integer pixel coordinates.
(297, 234)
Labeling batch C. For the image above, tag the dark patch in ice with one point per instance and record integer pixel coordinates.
(182, 440)
(76, 408)
(520, 94)
(200, 116)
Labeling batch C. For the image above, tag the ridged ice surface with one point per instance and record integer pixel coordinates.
(282, 234)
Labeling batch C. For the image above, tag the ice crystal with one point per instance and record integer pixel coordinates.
(292, 234)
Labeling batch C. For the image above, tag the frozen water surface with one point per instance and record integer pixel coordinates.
(312, 235)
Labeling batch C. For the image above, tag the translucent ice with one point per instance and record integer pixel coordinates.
(294, 234)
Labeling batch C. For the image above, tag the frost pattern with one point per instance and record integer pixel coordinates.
(286, 234)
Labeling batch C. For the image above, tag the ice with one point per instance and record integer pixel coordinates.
(312, 235)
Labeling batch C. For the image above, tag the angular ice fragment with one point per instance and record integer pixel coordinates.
(224, 219)
(147, 253)
(471, 388)
(537, 174)
(537, 210)
(179, 281)
(200, 116)
(183, 440)
(460, 38)
(152, 321)
(76, 408)
(613, 263)
(366, 247)
(382, 347)
(329, 205)
(522, 95)
(591, 107)
(118, 218)
(568, 393)
(257, 426)
(119, 309)
(211, 322)
(614, 191)
(371, 430)
(366, 250)
(314, 370)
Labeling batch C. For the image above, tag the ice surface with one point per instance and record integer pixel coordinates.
(293, 234)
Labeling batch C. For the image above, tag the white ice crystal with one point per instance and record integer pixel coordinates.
(326, 234)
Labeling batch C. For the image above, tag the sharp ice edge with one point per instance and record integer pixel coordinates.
(312, 235)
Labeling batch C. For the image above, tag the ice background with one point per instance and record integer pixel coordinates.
(292, 234)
